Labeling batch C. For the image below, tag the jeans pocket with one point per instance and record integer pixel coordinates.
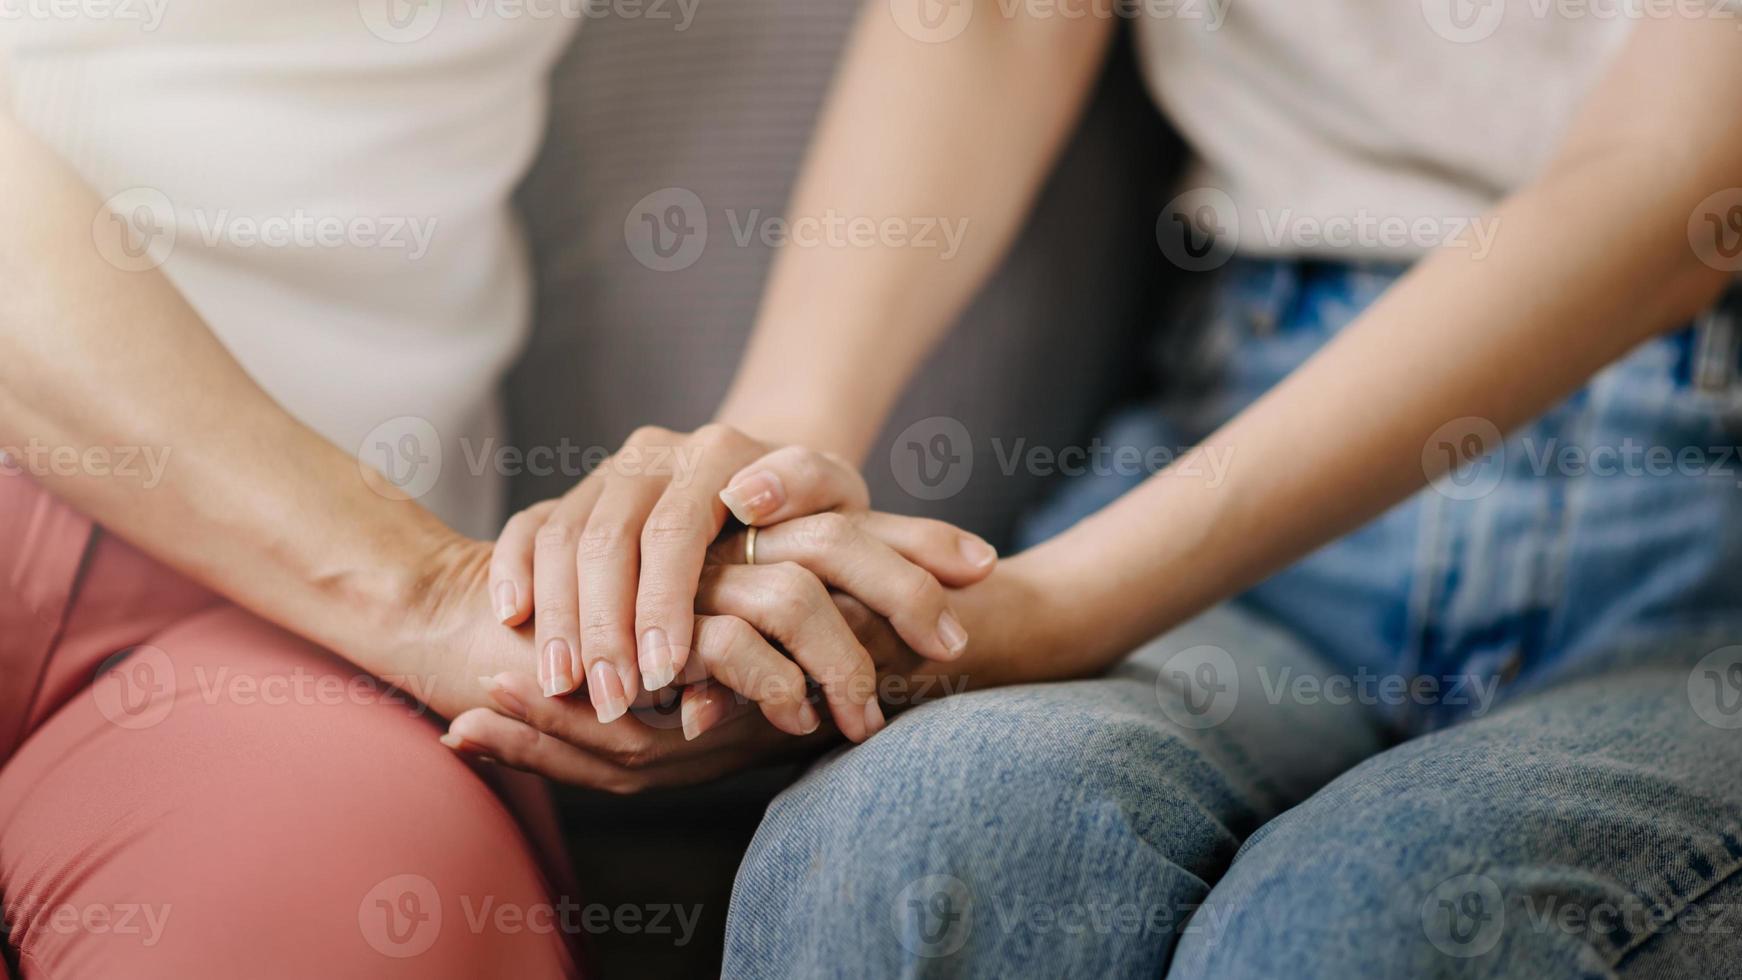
(1267, 318)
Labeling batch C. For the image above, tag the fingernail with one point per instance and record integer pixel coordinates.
(559, 673)
(951, 634)
(754, 497)
(979, 553)
(658, 666)
(504, 697)
(460, 745)
(808, 718)
(700, 714)
(606, 689)
(507, 601)
(873, 717)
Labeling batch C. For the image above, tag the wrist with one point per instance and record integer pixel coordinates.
(1047, 616)
(1029, 626)
(789, 423)
(409, 587)
(1018, 633)
(813, 399)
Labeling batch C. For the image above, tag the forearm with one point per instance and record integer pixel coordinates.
(100, 362)
(957, 134)
(1567, 290)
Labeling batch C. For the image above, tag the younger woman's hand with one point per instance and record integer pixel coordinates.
(897, 567)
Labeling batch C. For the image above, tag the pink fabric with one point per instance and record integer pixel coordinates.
(230, 800)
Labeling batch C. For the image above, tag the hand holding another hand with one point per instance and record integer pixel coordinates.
(653, 511)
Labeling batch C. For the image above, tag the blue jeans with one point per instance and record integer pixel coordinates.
(1494, 733)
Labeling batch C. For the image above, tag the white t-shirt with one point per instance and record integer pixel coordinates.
(327, 182)
(1373, 128)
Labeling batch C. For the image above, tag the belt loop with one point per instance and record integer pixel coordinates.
(1718, 350)
(1279, 294)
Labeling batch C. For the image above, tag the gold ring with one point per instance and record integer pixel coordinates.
(750, 546)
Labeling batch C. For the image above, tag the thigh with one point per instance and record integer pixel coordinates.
(1593, 829)
(1048, 830)
(73, 596)
(187, 790)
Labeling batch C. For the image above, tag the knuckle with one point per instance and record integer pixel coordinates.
(938, 538)
(519, 749)
(829, 531)
(713, 640)
(921, 589)
(858, 615)
(505, 565)
(835, 674)
(600, 633)
(794, 592)
(788, 609)
(675, 521)
(648, 435)
(735, 634)
(548, 600)
(658, 604)
(554, 535)
(791, 578)
(720, 435)
(549, 724)
(520, 521)
(785, 683)
(803, 463)
(600, 540)
(553, 617)
(637, 755)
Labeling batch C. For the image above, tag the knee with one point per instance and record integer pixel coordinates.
(284, 822)
(1008, 773)
(998, 828)
(1399, 869)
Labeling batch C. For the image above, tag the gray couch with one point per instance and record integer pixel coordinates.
(723, 109)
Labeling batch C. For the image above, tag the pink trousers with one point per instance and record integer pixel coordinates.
(188, 791)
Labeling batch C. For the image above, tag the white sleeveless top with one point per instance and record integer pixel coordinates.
(1372, 128)
(327, 182)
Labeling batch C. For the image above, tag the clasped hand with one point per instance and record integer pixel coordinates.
(635, 588)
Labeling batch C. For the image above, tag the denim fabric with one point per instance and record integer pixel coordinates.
(1592, 829)
(1556, 641)
(1053, 830)
(1089, 829)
